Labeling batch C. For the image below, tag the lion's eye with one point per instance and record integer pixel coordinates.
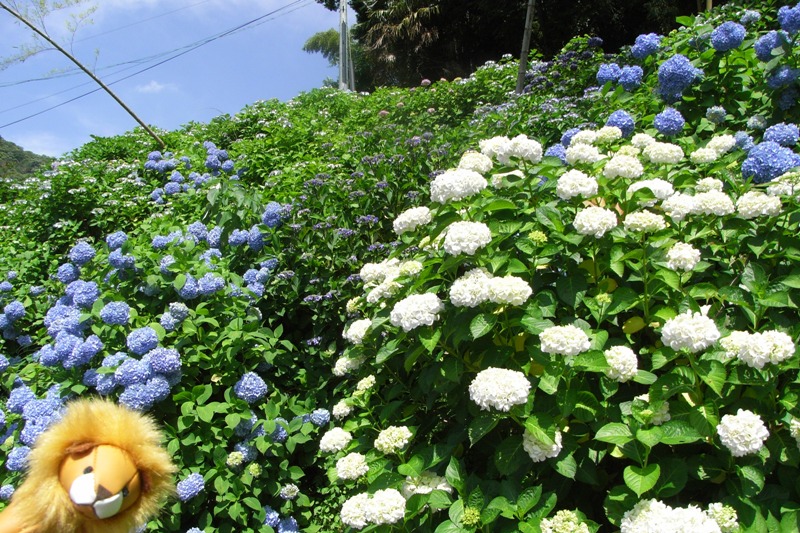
(88, 470)
(125, 492)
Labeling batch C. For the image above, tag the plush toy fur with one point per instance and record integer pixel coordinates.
(42, 505)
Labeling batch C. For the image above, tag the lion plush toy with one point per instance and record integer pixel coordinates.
(101, 468)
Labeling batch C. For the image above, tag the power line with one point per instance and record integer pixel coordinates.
(186, 50)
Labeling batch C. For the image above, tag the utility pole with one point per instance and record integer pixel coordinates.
(346, 71)
(526, 47)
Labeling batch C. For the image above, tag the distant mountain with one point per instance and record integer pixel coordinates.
(16, 163)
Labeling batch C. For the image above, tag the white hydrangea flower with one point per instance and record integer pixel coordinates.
(653, 515)
(354, 511)
(794, 429)
(624, 166)
(724, 516)
(722, 144)
(353, 305)
(682, 256)
(345, 365)
(499, 388)
(678, 206)
(663, 153)
(583, 153)
(537, 450)
(365, 384)
(708, 184)
(290, 491)
(703, 155)
(689, 331)
(524, 148)
(734, 343)
(608, 134)
(416, 310)
(595, 221)
(583, 137)
(575, 183)
(411, 219)
(659, 417)
(509, 290)
(622, 363)
(787, 184)
(644, 221)
(564, 521)
(566, 340)
(476, 161)
(497, 147)
(425, 483)
(235, 459)
(352, 466)
(335, 440)
(471, 289)
(466, 237)
(770, 346)
(374, 273)
(410, 268)
(661, 189)
(642, 140)
(392, 439)
(357, 330)
(456, 184)
(754, 204)
(382, 290)
(629, 150)
(713, 203)
(743, 433)
(386, 506)
(341, 409)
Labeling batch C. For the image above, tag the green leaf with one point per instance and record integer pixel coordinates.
(480, 426)
(542, 428)
(614, 433)
(455, 475)
(752, 480)
(679, 432)
(510, 456)
(650, 437)
(593, 361)
(713, 374)
(620, 499)
(534, 325)
(476, 499)
(528, 500)
(387, 350)
(570, 289)
(414, 467)
(674, 474)
(429, 337)
(640, 480)
(482, 324)
(449, 527)
(567, 466)
(500, 204)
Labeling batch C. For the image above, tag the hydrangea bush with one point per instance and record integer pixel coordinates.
(442, 308)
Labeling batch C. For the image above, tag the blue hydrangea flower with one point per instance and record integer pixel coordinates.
(190, 289)
(789, 19)
(767, 161)
(631, 77)
(675, 75)
(164, 360)
(6, 286)
(114, 360)
(11, 275)
(250, 387)
(768, 42)
(210, 283)
(18, 398)
(154, 156)
(783, 76)
(81, 253)
(121, 261)
(645, 44)
(83, 352)
(4, 321)
(788, 98)
(106, 384)
(190, 487)
(279, 434)
(727, 36)
(24, 340)
(608, 72)
(669, 122)
(36, 290)
(17, 459)
(46, 356)
(157, 194)
(288, 525)
(67, 273)
(256, 288)
(557, 150)
(137, 397)
(228, 166)
(158, 388)
(15, 310)
(176, 177)
(166, 262)
(132, 371)
(248, 451)
(320, 417)
(90, 377)
(566, 138)
(238, 237)
(172, 188)
(622, 120)
(4, 364)
(142, 340)
(2, 419)
(115, 313)
(179, 311)
(743, 141)
(198, 230)
(62, 317)
(214, 237)
(194, 530)
(213, 163)
(255, 239)
(6, 491)
(783, 134)
(716, 114)
(168, 322)
(272, 215)
(65, 344)
(83, 293)
(749, 17)
(116, 240)
(273, 518)
(208, 255)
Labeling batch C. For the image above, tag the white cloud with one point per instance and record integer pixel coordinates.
(154, 87)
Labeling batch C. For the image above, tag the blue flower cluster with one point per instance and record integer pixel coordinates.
(669, 122)
(4, 364)
(6, 491)
(120, 261)
(768, 42)
(17, 459)
(81, 253)
(749, 17)
(160, 163)
(716, 114)
(727, 36)
(767, 161)
(190, 487)
(675, 75)
(789, 19)
(645, 45)
(557, 150)
(783, 76)
(82, 293)
(210, 283)
(743, 141)
(38, 415)
(273, 215)
(142, 340)
(115, 313)
(608, 73)
(622, 120)
(67, 273)
(320, 417)
(783, 134)
(250, 387)
(178, 312)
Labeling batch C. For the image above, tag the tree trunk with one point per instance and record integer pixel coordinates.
(526, 47)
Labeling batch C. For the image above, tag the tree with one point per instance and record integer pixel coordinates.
(325, 43)
(34, 16)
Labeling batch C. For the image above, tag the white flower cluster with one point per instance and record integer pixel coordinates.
(386, 506)
(475, 161)
(566, 340)
(794, 430)
(642, 140)
(364, 384)
(411, 219)
(583, 137)
(689, 331)
(653, 515)
(456, 184)
(644, 221)
(595, 221)
(660, 416)
(678, 206)
(357, 330)
(499, 388)
(478, 286)
(379, 278)
(335, 440)
(539, 451)
(564, 522)
(722, 144)
(352, 466)
(758, 349)
(583, 153)
(345, 365)
(392, 439)
(724, 516)
(703, 155)
(624, 166)
(341, 409)
(575, 183)
(708, 184)
(663, 153)
(622, 363)
(743, 433)
(503, 149)
(425, 483)
(466, 237)
(786, 185)
(682, 256)
(608, 134)
(754, 204)
(416, 310)
(712, 202)
(661, 189)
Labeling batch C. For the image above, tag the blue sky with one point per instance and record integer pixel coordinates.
(261, 62)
